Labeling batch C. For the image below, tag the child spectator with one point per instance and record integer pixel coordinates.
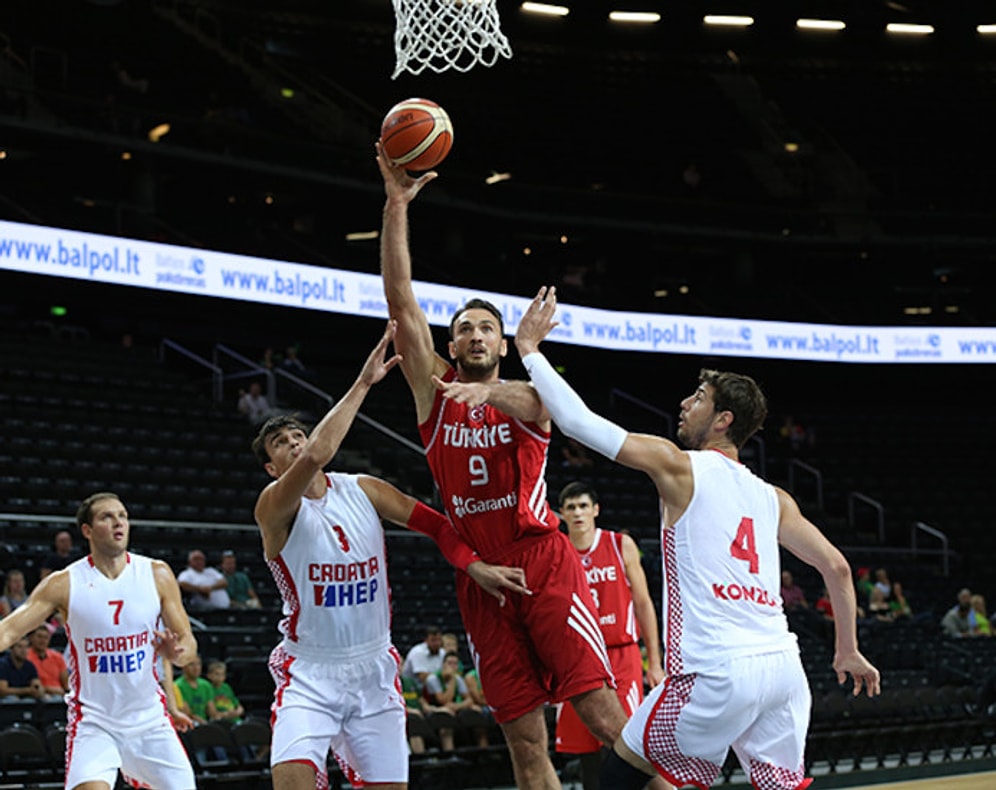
(227, 707)
(196, 694)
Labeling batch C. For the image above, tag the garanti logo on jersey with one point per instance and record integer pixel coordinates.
(469, 506)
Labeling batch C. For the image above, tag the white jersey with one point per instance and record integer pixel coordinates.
(110, 656)
(332, 575)
(722, 570)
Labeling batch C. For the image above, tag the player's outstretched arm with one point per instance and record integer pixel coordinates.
(175, 643)
(51, 595)
(516, 398)
(279, 501)
(406, 511)
(414, 337)
(801, 537)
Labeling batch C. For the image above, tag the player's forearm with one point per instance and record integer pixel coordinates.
(451, 545)
(840, 589)
(569, 411)
(328, 435)
(395, 257)
(517, 399)
(647, 620)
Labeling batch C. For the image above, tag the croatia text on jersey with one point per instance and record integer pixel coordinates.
(353, 583)
(116, 654)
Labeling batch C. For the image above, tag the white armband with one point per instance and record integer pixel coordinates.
(569, 412)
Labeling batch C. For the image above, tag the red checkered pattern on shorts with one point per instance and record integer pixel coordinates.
(673, 664)
(765, 776)
(661, 747)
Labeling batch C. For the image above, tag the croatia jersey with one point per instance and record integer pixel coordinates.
(111, 659)
(332, 576)
(723, 585)
(489, 469)
(606, 573)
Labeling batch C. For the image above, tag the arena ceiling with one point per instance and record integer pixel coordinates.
(838, 175)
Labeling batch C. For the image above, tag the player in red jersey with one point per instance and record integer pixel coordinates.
(488, 462)
(611, 562)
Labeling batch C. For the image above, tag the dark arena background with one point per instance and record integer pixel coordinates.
(767, 171)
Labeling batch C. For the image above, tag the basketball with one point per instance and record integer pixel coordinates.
(416, 134)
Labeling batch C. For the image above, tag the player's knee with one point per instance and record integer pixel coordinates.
(617, 774)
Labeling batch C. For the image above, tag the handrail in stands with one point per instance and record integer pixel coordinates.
(815, 473)
(945, 551)
(216, 373)
(854, 496)
(254, 367)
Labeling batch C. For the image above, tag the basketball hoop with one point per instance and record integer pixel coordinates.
(447, 34)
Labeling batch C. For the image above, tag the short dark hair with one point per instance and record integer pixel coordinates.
(478, 304)
(270, 427)
(739, 394)
(85, 510)
(575, 489)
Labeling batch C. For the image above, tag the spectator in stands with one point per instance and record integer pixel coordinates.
(269, 358)
(863, 585)
(957, 621)
(15, 592)
(446, 688)
(196, 693)
(18, 676)
(979, 617)
(203, 588)
(425, 658)
(882, 582)
(292, 363)
(878, 607)
(61, 555)
(793, 597)
(51, 666)
(227, 707)
(253, 403)
(241, 594)
(451, 644)
(901, 609)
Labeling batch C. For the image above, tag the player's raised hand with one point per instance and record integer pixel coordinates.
(166, 644)
(376, 366)
(494, 579)
(398, 182)
(860, 668)
(537, 322)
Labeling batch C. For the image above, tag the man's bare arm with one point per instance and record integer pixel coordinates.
(643, 610)
(51, 595)
(517, 399)
(176, 644)
(414, 336)
(801, 537)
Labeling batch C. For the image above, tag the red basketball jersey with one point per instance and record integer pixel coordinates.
(489, 469)
(606, 573)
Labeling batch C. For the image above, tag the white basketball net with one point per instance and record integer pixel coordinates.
(447, 34)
